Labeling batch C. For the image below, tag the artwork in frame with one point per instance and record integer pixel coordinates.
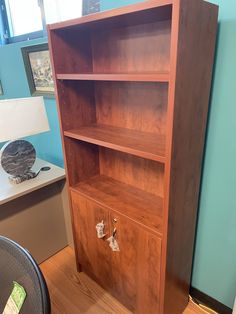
(1, 89)
(38, 70)
(91, 6)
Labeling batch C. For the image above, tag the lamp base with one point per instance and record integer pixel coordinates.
(17, 157)
(20, 178)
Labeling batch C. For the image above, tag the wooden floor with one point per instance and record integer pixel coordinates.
(75, 293)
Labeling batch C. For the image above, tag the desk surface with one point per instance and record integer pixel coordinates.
(10, 192)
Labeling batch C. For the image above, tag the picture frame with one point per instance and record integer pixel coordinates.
(90, 6)
(38, 70)
(1, 89)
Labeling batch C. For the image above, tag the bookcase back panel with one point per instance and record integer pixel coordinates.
(77, 105)
(141, 173)
(134, 49)
(73, 53)
(132, 105)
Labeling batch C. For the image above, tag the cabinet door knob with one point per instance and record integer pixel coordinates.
(100, 230)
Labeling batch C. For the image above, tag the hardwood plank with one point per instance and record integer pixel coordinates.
(193, 308)
(142, 144)
(136, 77)
(139, 206)
(76, 293)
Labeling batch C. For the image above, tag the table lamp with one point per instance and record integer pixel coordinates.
(19, 118)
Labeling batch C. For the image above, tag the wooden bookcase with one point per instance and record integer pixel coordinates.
(132, 87)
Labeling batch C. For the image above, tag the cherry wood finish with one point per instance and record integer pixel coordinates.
(141, 144)
(143, 174)
(122, 105)
(133, 87)
(142, 207)
(121, 273)
(196, 23)
(94, 254)
(74, 56)
(135, 266)
(142, 77)
(83, 160)
(111, 49)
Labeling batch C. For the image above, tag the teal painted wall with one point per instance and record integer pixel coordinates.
(15, 85)
(111, 4)
(214, 269)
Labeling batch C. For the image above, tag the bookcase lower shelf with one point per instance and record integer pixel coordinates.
(139, 206)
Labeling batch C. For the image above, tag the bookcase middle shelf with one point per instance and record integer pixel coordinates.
(142, 144)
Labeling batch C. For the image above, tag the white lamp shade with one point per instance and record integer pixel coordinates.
(22, 117)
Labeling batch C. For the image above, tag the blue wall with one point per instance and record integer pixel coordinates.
(215, 256)
(14, 82)
(214, 269)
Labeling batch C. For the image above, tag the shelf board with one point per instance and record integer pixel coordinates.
(142, 207)
(134, 77)
(146, 145)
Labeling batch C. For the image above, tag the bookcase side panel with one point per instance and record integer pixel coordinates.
(195, 54)
(71, 51)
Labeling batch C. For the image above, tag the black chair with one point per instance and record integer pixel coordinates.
(16, 264)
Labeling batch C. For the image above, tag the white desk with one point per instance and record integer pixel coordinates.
(10, 192)
(35, 213)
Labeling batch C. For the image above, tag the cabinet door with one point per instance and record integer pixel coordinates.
(93, 254)
(136, 267)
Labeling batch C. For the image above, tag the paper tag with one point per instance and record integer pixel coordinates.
(100, 230)
(113, 244)
(16, 300)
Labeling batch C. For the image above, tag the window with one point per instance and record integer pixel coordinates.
(61, 10)
(23, 16)
(26, 19)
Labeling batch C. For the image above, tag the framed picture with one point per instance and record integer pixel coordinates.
(38, 70)
(1, 89)
(91, 6)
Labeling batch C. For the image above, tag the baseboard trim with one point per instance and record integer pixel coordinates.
(209, 301)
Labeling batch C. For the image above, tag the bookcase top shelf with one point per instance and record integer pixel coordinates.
(137, 77)
(147, 145)
(126, 15)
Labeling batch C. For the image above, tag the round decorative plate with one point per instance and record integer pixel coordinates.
(17, 157)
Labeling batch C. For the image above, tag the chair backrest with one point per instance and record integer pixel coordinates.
(16, 264)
